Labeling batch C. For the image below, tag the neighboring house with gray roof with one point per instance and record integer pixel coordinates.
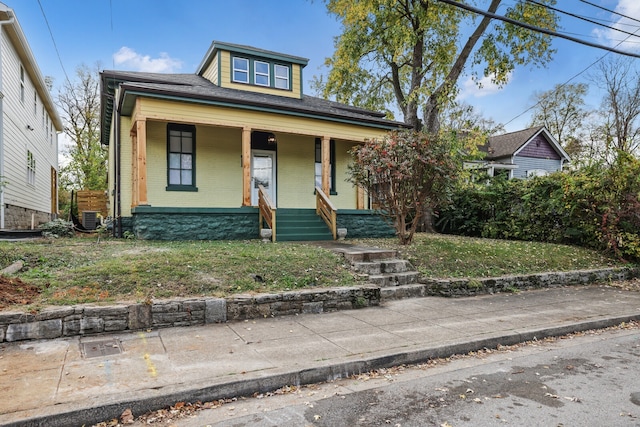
(199, 156)
(522, 154)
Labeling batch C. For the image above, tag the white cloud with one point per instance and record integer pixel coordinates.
(612, 37)
(129, 58)
(471, 89)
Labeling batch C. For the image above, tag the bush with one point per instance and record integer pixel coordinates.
(57, 228)
(595, 207)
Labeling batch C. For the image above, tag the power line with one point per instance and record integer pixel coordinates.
(573, 15)
(55, 46)
(536, 29)
(609, 10)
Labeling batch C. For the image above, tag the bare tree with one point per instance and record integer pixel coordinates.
(619, 123)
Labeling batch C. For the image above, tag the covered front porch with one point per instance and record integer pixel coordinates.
(208, 178)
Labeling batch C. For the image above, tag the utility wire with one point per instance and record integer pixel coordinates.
(573, 15)
(536, 29)
(54, 43)
(609, 10)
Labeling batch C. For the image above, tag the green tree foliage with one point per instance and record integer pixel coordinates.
(562, 110)
(412, 52)
(596, 206)
(79, 103)
(406, 174)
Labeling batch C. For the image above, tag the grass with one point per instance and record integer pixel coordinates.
(82, 270)
(446, 256)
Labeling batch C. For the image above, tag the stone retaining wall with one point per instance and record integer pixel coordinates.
(86, 319)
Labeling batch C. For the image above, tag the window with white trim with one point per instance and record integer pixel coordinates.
(261, 73)
(35, 103)
(31, 168)
(281, 76)
(240, 70)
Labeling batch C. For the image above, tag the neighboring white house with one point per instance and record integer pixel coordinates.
(29, 126)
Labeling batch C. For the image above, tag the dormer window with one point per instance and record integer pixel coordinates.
(241, 70)
(282, 76)
(261, 73)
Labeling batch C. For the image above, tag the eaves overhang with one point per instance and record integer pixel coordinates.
(128, 96)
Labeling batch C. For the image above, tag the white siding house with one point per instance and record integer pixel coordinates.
(29, 127)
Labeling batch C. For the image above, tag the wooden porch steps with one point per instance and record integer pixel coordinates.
(300, 225)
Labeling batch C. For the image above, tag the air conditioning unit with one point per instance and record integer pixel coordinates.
(90, 220)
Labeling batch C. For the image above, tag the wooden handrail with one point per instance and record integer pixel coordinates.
(266, 211)
(327, 211)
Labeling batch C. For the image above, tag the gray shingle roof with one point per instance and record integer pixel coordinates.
(194, 88)
(506, 145)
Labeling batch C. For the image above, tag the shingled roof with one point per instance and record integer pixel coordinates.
(197, 89)
(507, 144)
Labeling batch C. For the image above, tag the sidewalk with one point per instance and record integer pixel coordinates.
(85, 380)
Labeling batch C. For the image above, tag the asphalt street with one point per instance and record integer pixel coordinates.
(586, 380)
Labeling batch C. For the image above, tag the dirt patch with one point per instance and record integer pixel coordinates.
(14, 291)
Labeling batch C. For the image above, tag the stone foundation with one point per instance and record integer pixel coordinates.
(363, 223)
(18, 218)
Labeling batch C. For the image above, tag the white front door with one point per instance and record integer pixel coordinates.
(263, 172)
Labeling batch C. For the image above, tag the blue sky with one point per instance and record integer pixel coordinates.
(173, 36)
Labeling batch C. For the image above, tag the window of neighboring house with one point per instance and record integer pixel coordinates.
(22, 84)
(181, 148)
(240, 70)
(31, 168)
(35, 103)
(44, 118)
(261, 73)
(281, 76)
(332, 162)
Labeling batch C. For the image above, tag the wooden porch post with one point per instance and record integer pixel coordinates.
(246, 166)
(326, 163)
(141, 161)
(359, 197)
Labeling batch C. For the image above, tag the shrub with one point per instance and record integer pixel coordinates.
(57, 228)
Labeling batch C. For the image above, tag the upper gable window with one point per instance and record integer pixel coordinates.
(22, 84)
(261, 73)
(241, 70)
(282, 76)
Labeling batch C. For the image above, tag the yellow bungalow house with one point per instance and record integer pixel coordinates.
(233, 149)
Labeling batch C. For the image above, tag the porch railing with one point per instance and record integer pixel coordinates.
(327, 211)
(266, 211)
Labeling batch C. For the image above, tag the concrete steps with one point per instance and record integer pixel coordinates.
(380, 267)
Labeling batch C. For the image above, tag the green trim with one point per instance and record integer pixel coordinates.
(192, 188)
(126, 110)
(252, 72)
(219, 54)
(180, 210)
(192, 130)
(358, 212)
(259, 53)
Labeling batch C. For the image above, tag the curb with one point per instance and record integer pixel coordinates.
(74, 415)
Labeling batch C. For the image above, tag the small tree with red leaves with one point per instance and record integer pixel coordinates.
(406, 174)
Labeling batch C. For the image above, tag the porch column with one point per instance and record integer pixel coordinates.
(139, 146)
(325, 147)
(359, 197)
(246, 166)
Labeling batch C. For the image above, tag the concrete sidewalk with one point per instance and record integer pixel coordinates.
(84, 380)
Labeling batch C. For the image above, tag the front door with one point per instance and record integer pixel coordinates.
(263, 172)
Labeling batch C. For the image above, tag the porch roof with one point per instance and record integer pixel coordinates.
(197, 89)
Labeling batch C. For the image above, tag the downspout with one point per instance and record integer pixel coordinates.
(10, 21)
(117, 207)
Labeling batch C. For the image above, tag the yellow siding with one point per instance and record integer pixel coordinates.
(347, 193)
(218, 169)
(295, 163)
(125, 166)
(225, 80)
(220, 116)
(211, 73)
